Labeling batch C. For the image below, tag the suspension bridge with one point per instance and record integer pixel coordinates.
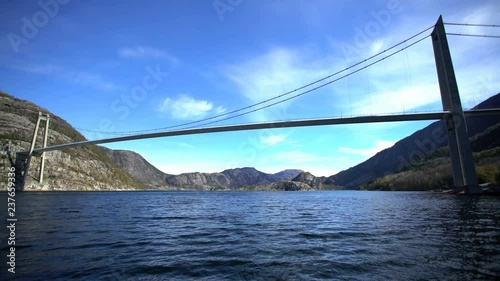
(463, 167)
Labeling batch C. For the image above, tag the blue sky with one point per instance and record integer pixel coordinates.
(137, 65)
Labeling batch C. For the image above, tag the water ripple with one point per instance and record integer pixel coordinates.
(256, 236)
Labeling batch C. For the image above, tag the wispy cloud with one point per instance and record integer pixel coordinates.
(370, 151)
(87, 78)
(273, 73)
(220, 109)
(403, 83)
(84, 78)
(45, 69)
(408, 80)
(141, 52)
(185, 107)
(272, 139)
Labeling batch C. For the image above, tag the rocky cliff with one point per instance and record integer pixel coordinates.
(84, 168)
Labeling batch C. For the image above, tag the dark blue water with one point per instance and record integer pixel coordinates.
(340, 235)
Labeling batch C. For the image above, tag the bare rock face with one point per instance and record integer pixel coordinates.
(199, 181)
(317, 183)
(289, 186)
(307, 178)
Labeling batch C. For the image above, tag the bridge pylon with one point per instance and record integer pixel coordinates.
(462, 161)
(23, 159)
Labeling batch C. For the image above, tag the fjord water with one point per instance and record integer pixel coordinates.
(339, 235)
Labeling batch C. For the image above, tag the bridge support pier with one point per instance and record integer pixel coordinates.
(23, 159)
(20, 169)
(42, 156)
(462, 161)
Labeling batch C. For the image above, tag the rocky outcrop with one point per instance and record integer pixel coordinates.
(307, 178)
(318, 183)
(286, 186)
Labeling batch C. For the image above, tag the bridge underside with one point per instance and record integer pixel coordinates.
(282, 124)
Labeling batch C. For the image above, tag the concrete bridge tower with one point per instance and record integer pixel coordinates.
(462, 161)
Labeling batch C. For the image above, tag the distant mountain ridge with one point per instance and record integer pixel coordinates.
(229, 179)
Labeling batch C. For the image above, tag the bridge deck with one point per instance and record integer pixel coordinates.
(281, 124)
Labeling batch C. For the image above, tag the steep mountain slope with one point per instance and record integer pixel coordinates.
(138, 167)
(434, 172)
(411, 148)
(286, 175)
(84, 168)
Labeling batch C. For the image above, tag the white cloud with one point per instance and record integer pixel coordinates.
(220, 109)
(146, 52)
(87, 78)
(272, 139)
(45, 69)
(370, 151)
(377, 46)
(185, 107)
(406, 82)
